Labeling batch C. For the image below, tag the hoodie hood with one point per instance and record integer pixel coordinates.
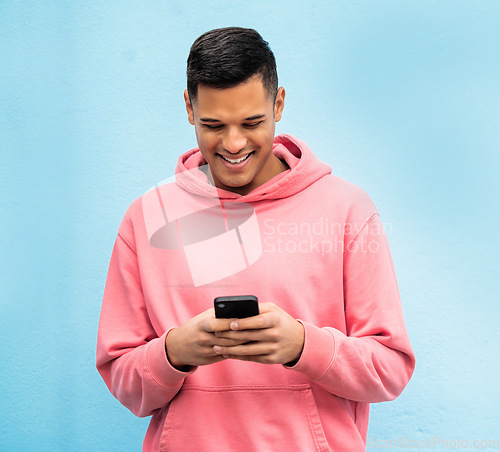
(305, 169)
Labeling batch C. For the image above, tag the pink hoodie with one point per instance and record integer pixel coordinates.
(306, 240)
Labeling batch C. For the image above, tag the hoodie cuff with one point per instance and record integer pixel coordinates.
(159, 366)
(318, 353)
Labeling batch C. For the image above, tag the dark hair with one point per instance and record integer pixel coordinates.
(225, 57)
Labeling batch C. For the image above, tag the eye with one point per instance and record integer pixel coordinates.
(211, 127)
(252, 125)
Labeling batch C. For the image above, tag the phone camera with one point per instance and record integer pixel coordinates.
(221, 305)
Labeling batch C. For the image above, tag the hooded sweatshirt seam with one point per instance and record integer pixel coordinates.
(127, 243)
(333, 357)
(353, 241)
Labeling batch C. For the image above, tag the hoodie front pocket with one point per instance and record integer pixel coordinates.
(260, 419)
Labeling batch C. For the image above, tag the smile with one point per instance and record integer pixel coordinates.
(236, 161)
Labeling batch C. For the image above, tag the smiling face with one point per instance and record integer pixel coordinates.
(235, 132)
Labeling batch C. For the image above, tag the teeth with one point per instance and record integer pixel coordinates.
(235, 161)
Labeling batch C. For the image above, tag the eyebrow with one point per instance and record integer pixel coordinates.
(250, 118)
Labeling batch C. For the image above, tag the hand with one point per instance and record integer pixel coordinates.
(272, 337)
(192, 343)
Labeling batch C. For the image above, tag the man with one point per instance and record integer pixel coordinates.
(251, 214)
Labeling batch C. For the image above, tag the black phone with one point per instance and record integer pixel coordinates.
(236, 307)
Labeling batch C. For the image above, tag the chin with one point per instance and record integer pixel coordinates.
(235, 184)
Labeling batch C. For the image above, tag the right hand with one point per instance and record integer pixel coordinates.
(192, 344)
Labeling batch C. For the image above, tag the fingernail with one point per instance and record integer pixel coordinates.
(234, 326)
(217, 349)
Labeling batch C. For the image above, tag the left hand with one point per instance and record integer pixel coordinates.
(272, 337)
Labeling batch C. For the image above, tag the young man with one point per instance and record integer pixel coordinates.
(251, 214)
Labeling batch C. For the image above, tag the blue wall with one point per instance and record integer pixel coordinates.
(400, 97)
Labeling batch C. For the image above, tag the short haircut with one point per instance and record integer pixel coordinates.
(226, 57)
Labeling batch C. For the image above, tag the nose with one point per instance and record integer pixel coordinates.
(234, 140)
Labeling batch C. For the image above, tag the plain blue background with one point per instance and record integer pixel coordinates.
(400, 97)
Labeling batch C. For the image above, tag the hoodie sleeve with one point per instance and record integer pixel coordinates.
(374, 360)
(131, 358)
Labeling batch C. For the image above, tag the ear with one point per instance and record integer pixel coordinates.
(279, 103)
(189, 107)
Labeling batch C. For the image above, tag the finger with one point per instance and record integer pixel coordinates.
(267, 307)
(244, 336)
(227, 342)
(251, 349)
(211, 325)
(258, 322)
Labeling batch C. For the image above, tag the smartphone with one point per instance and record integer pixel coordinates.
(236, 307)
